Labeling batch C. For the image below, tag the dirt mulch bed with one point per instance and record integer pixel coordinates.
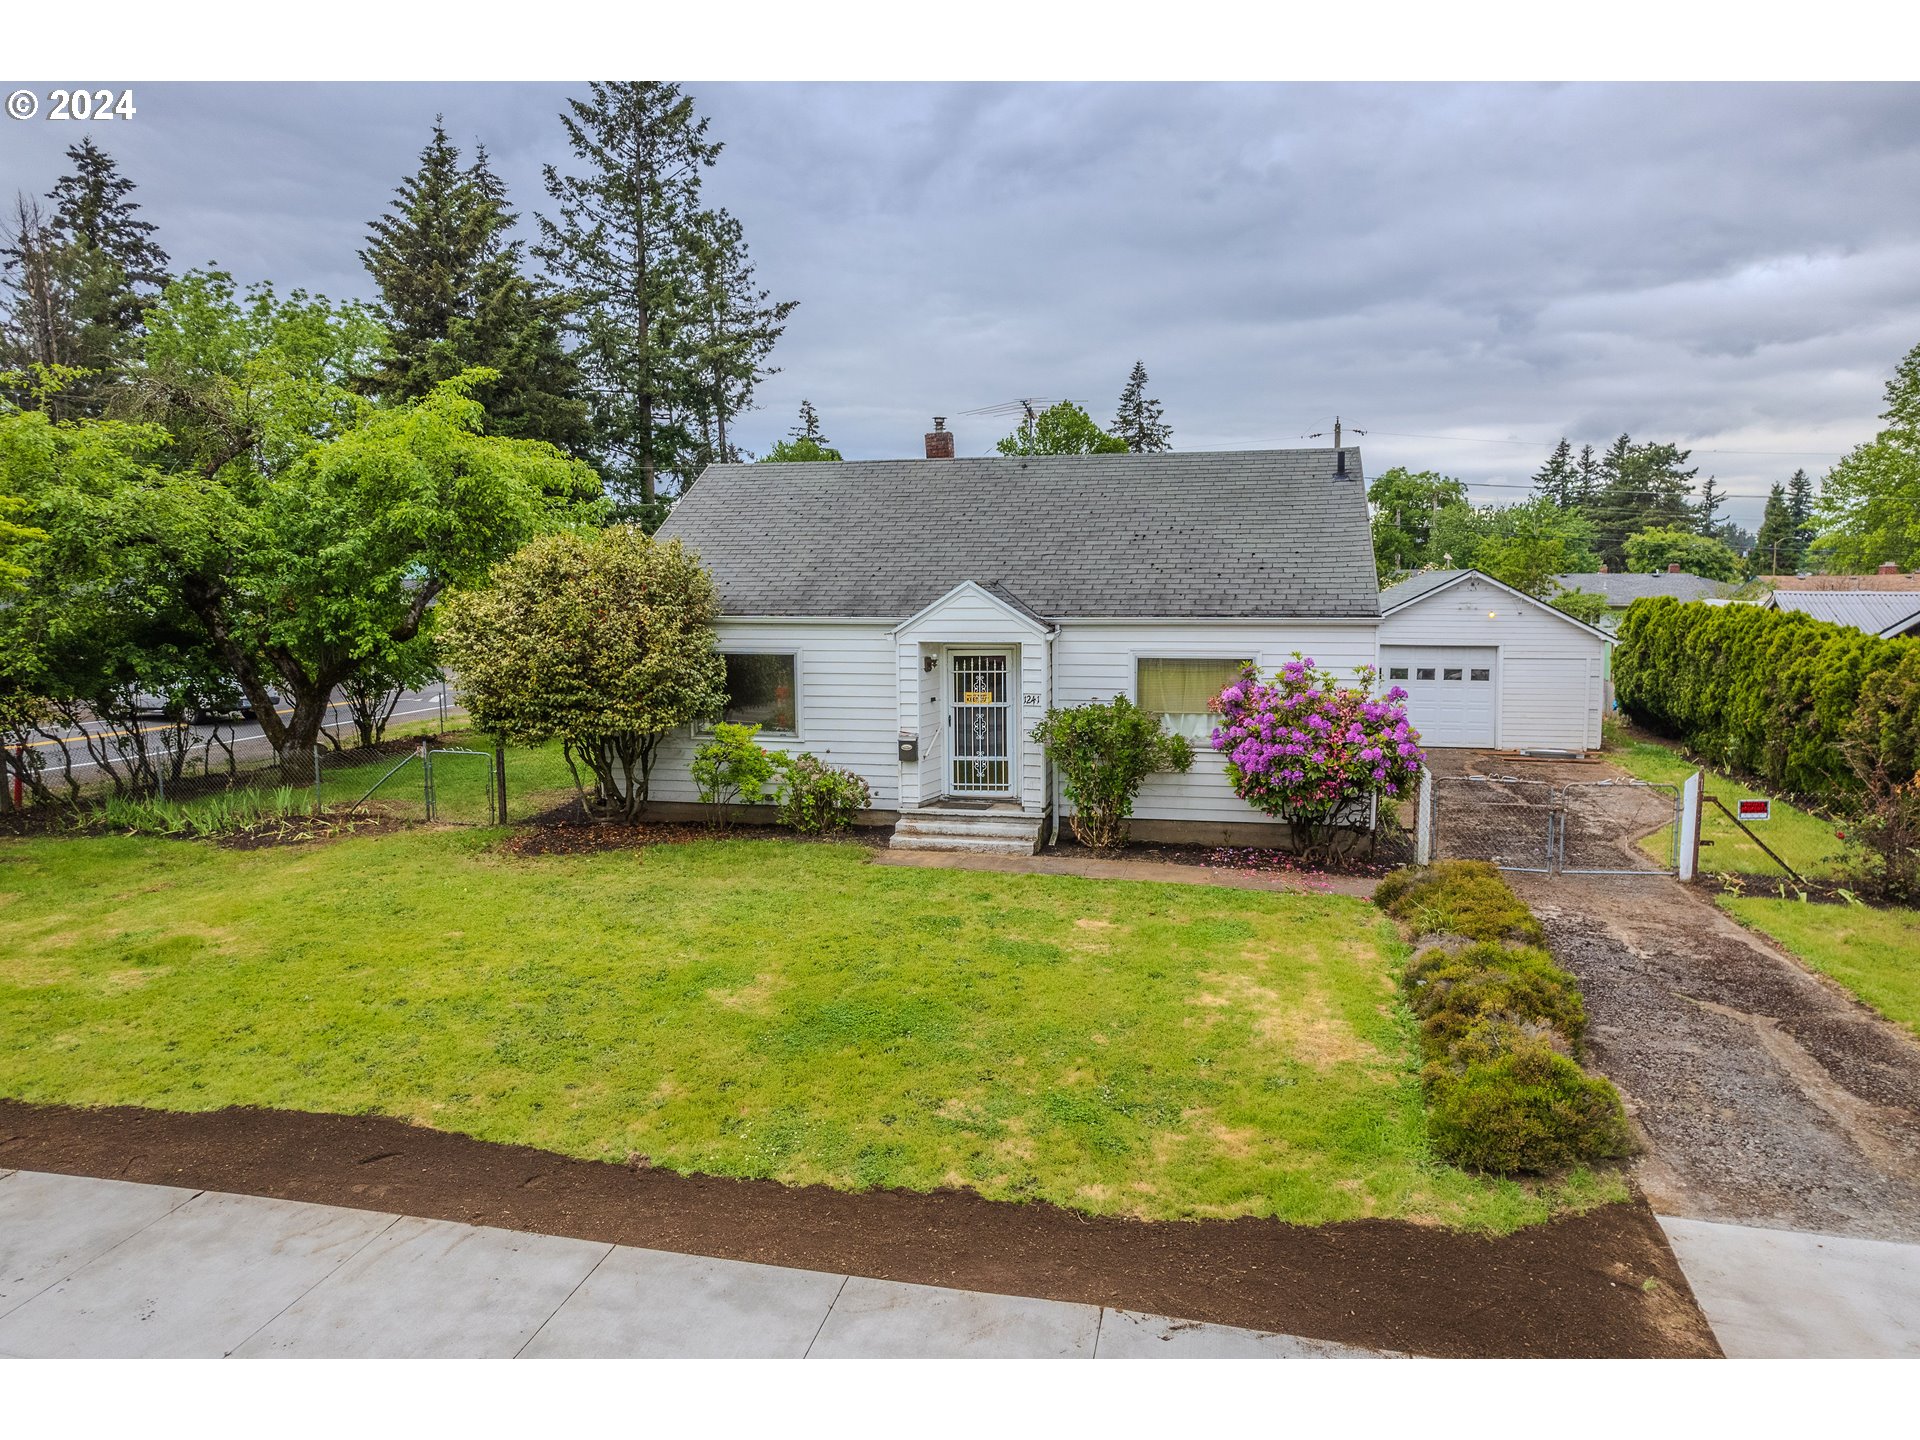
(1600, 1284)
(562, 832)
(1392, 853)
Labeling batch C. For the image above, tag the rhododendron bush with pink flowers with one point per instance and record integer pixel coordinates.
(1315, 753)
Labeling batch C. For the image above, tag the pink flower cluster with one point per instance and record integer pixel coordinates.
(1305, 747)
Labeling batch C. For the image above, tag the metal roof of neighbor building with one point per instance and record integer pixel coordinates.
(1185, 535)
(1878, 612)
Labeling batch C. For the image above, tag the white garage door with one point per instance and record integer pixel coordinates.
(1452, 690)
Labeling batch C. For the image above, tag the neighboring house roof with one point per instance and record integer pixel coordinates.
(1431, 582)
(1845, 582)
(1187, 535)
(1887, 613)
(1623, 588)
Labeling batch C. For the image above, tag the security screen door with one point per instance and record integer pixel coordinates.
(981, 765)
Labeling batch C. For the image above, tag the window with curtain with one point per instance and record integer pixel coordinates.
(760, 691)
(1178, 691)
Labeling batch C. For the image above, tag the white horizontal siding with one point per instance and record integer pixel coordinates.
(1551, 672)
(1096, 662)
(846, 711)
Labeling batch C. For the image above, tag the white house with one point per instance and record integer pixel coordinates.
(913, 620)
(1488, 666)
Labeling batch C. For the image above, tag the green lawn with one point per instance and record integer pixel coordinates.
(1874, 953)
(1804, 841)
(751, 1008)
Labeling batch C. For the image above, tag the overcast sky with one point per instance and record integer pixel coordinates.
(1465, 272)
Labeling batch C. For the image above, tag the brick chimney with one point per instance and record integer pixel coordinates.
(1889, 568)
(939, 440)
(1673, 567)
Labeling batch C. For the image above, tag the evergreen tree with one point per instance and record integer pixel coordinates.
(78, 282)
(1138, 420)
(1586, 483)
(1707, 512)
(453, 296)
(808, 427)
(1800, 507)
(1645, 487)
(1557, 480)
(622, 242)
(732, 326)
(1774, 551)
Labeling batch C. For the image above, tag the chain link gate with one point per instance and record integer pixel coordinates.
(1502, 819)
(1589, 827)
(448, 785)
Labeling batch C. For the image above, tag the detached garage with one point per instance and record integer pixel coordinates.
(1487, 667)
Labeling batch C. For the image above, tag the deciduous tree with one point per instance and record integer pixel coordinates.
(1869, 507)
(1062, 429)
(602, 640)
(1652, 550)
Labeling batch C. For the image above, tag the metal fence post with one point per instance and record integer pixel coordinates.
(316, 780)
(1423, 820)
(426, 777)
(500, 777)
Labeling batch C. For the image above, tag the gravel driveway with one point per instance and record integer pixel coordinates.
(1767, 1095)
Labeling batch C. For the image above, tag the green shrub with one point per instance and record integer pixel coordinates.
(1453, 991)
(1506, 1101)
(815, 797)
(1764, 692)
(1458, 897)
(731, 769)
(1105, 751)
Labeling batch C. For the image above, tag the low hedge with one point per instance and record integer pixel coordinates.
(1453, 991)
(1504, 1099)
(1458, 897)
(1764, 692)
(1501, 1027)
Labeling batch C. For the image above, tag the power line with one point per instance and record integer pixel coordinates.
(1548, 445)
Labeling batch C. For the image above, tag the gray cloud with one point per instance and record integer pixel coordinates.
(1732, 265)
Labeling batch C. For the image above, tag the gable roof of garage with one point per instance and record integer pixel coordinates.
(1428, 583)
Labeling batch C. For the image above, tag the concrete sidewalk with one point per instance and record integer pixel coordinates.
(1786, 1294)
(105, 1268)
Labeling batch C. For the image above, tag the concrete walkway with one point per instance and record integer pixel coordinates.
(109, 1269)
(1168, 872)
(1787, 1294)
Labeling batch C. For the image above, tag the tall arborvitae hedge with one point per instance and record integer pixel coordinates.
(1761, 691)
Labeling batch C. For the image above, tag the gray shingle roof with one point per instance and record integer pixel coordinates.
(1187, 535)
(1878, 612)
(1414, 586)
(1622, 589)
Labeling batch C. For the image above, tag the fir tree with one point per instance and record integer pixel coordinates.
(621, 242)
(1557, 480)
(79, 281)
(732, 327)
(1707, 512)
(453, 296)
(93, 210)
(1138, 420)
(808, 426)
(1645, 487)
(1586, 483)
(1774, 551)
(1800, 507)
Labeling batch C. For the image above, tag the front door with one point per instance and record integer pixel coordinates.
(981, 763)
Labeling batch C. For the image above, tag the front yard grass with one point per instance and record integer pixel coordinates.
(1874, 953)
(752, 1008)
(1804, 841)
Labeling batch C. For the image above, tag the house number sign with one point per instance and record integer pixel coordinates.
(1030, 697)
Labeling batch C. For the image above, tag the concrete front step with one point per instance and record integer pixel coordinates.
(980, 832)
(970, 844)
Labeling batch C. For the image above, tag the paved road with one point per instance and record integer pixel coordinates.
(247, 737)
(110, 1269)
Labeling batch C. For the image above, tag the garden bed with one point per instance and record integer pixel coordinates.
(562, 831)
(1601, 1284)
